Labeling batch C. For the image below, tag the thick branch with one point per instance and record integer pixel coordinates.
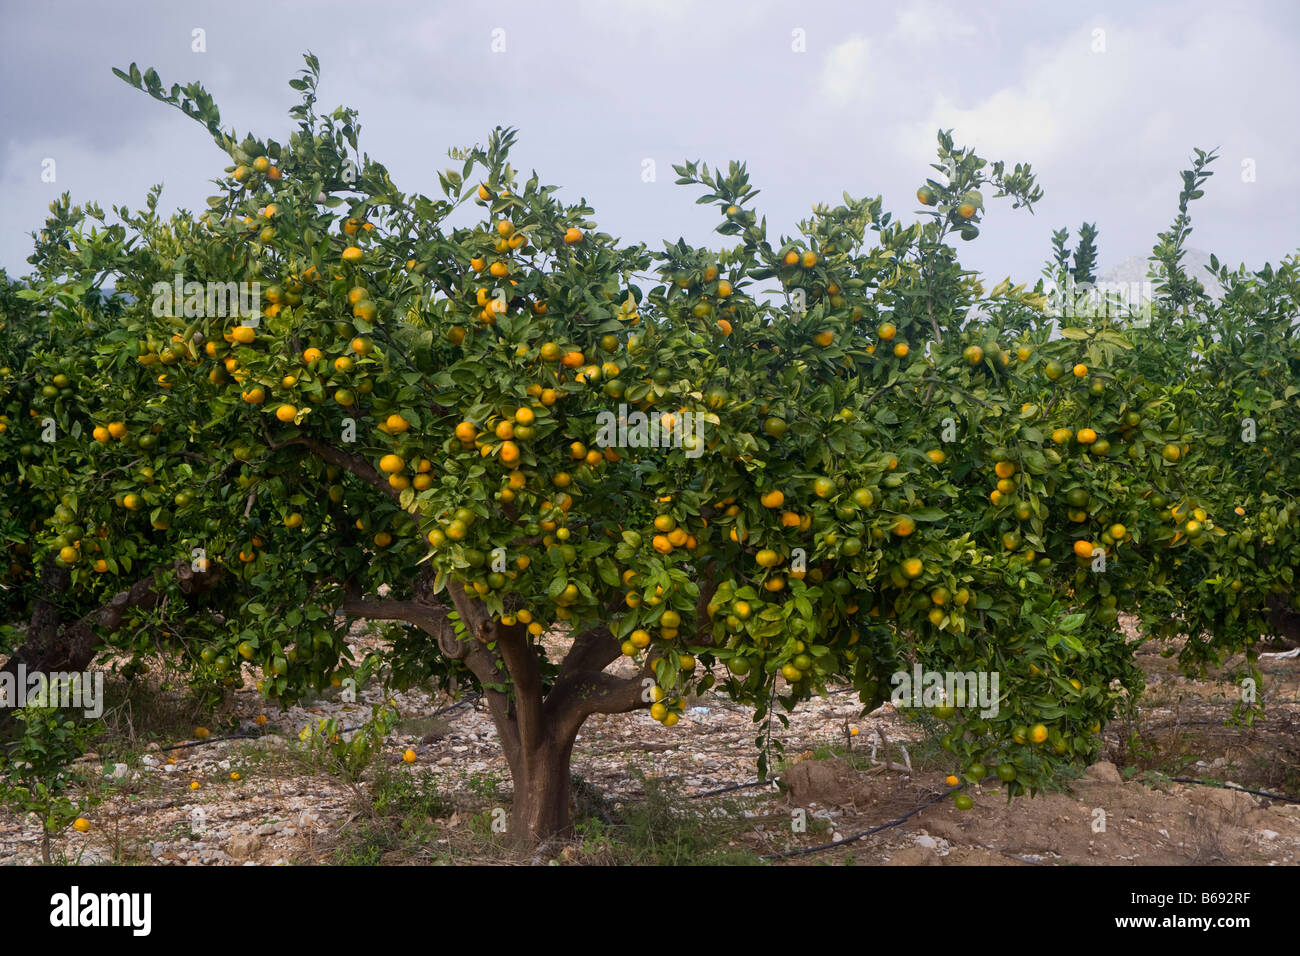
(430, 618)
(434, 619)
(73, 647)
(352, 463)
(575, 698)
(591, 650)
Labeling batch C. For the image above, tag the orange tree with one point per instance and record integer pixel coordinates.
(759, 469)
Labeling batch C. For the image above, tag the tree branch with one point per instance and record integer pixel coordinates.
(352, 463)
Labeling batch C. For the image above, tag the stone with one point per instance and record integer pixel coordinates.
(242, 846)
(1103, 771)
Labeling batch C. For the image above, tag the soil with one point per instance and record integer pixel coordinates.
(843, 773)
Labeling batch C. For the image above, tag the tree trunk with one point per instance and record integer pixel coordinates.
(537, 725)
(541, 808)
(1284, 620)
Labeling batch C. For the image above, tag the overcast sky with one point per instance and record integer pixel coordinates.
(1105, 100)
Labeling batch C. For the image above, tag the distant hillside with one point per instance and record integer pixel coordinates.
(1134, 269)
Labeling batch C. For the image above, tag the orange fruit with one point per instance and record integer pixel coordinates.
(572, 236)
(286, 413)
(352, 254)
(392, 463)
(1084, 549)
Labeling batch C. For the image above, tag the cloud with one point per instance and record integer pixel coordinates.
(847, 73)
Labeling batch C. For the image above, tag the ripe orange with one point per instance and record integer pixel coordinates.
(466, 432)
(1084, 549)
(311, 355)
(117, 429)
(773, 499)
(286, 413)
(903, 526)
(254, 396)
(1038, 733)
(1080, 370)
(572, 236)
(101, 434)
(392, 463)
(901, 349)
(244, 334)
(509, 452)
(352, 254)
(1086, 436)
(887, 331)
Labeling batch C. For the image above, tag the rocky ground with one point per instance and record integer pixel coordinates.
(261, 799)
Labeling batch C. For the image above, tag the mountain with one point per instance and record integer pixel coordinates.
(1132, 272)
